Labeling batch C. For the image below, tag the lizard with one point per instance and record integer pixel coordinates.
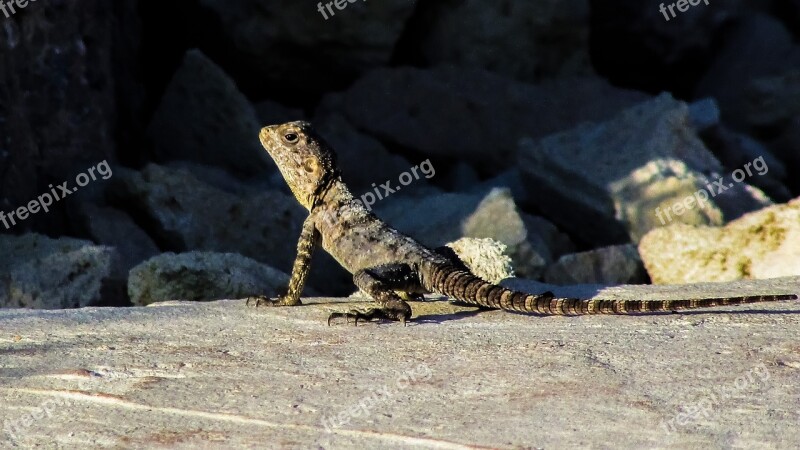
(391, 267)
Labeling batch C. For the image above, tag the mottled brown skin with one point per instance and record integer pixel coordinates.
(390, 266)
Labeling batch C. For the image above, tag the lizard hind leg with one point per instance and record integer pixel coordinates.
(381, 283)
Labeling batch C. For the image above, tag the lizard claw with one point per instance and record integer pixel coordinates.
(370, 314)
(263, 300)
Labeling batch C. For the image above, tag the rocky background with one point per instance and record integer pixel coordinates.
(562, 129)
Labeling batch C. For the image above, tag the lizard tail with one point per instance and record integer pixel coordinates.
(466, 287)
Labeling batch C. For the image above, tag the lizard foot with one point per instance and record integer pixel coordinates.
(387, 313)
(263, 300)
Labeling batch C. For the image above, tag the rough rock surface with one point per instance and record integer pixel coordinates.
(763, 244)
(624, 171)
(485, 258)
(220, 375)
(462, 112)
(616, 264)
(114, 228)
(524, 40)
(759, 46)
(450, 216)
(202, 276)
(187, 214)
(204, 118)
(59, 66)
(274, 42)
(39, 272)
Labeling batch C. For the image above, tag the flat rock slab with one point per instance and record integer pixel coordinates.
(220, 375)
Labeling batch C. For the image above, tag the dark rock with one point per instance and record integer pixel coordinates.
(617, 264)
(471, 114)
(204, 118)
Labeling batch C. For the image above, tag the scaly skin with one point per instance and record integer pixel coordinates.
(390, 266)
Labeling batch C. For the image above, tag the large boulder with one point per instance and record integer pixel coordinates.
(64, 72)
(632, 173)
(524, 40)
(468, 113)
(294, 48)
(204, 118)
(39, 272)
(762, 244)
(202, 276)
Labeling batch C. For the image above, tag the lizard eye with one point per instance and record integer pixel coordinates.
(290, 137)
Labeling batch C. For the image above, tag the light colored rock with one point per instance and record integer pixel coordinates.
(202, 276)
(485, 258)
(204, 118)
(468, 113)
(191, 215)
(524, 40)
(39, 272)
(616, 264)
(218, 375)
(498, 218)
(438, 219)
(763, 244)
(620, 174)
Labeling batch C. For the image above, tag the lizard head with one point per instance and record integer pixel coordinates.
(306, 162)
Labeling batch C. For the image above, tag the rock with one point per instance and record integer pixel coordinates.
(485, 258)
(204, 118)
(294, 50)
(785, 147)
(737, 150)
(60, 108)
(202, 276)
(762, 244)
(270, 113)
(187, 214)
(704, 114)
(638, 46)
(759, 46)
(772, 102)
(39, 272)
(617, 264)
(626, 174)
(524, 40)
(450, 216)
(114, 228)
(470, 114)
(497, 217)
(219, 375)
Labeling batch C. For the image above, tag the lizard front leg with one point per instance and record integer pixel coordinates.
(383, 283)
(308, 242)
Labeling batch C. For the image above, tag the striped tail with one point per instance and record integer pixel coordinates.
(466, 287)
